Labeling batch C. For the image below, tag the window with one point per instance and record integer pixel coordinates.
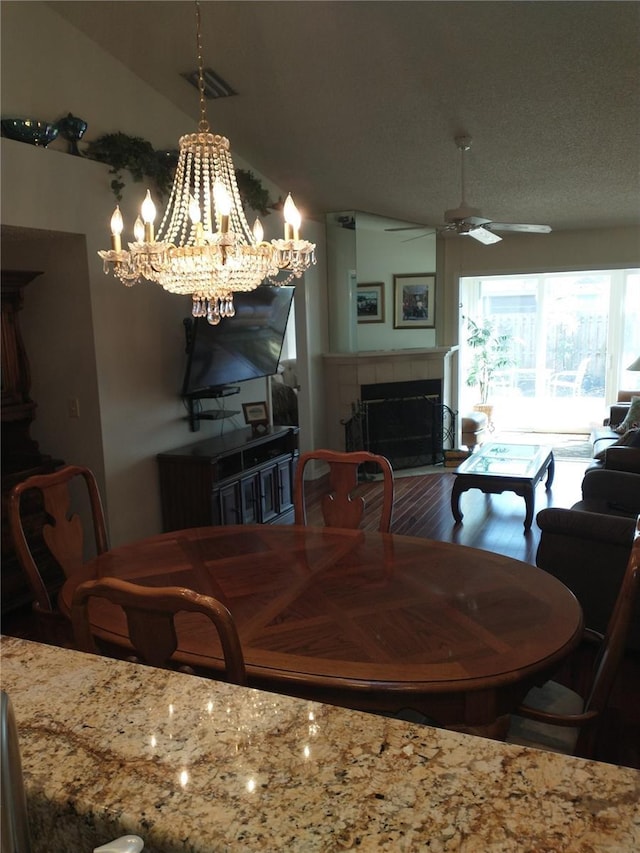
(572, 336)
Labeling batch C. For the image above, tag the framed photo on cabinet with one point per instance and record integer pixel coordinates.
(370, 303)
(257, 416)
(414, 301)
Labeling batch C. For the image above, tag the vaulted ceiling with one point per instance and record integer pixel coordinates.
(355, 105)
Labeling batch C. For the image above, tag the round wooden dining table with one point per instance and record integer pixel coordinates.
(366, 620)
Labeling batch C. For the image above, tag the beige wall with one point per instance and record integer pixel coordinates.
(381, 255)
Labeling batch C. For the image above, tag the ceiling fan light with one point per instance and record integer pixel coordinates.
(483, 235)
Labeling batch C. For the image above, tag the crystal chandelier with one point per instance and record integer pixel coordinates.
(204, 246)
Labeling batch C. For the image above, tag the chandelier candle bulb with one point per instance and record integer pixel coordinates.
(292, 220)
(296, 219)
(195, 216)
(258, 232)
(194, 211)
(138, 230)
(222, 201)
(148, 211)
(117, 226)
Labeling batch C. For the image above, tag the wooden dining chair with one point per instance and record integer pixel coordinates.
(150, 614)
(63, 535)
(340, 508)
(556, 718)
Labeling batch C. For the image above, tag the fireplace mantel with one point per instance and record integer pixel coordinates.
(346, 372)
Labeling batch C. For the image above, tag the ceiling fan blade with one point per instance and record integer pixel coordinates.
(529, 229)
(482, 235)
(464, 213)
(419, 236)
(407, 228)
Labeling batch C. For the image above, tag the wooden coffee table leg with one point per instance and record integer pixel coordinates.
(455, 500)
(550, 472)
(529, 495)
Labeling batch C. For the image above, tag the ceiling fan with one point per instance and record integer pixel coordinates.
(465, 220)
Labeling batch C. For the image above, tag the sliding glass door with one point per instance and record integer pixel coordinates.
(571, 337)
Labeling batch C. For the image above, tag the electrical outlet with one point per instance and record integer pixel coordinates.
(73, 408)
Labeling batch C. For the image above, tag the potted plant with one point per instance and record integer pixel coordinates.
(121, 151)
(490, 352)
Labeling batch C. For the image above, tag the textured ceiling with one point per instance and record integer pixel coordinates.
(354, 105)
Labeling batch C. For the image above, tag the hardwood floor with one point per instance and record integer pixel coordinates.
(495, 523)
(491, 522)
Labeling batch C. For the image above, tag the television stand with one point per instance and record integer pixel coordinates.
(196, 415)
(237, 478)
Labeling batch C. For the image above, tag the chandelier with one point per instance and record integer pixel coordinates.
(204, 246)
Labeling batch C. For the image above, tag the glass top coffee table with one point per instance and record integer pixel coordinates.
(498, 467)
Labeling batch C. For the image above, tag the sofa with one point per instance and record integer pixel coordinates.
(588, 552)
(606, 436)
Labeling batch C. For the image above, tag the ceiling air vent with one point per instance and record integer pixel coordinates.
(214, 86)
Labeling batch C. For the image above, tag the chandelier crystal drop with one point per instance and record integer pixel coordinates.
(204, 246)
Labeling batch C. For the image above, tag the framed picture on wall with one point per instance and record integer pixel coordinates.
(370, 303)
(414, 301)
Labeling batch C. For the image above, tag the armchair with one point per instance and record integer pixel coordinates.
(610, 490)
(556, 717)
(618, 458)
(589, 552)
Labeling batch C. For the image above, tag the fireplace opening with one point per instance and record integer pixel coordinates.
(404, 421)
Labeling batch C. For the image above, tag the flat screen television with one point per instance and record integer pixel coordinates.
(246, 346)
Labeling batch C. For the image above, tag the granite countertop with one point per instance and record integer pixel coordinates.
(196, 765)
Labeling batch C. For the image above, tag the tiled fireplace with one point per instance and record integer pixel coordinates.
(346, 373)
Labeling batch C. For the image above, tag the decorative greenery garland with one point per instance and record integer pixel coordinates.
(120, 152)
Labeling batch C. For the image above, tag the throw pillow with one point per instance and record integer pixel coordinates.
(632, 418)
(631, 438)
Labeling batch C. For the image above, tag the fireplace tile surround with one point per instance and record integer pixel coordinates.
(345, 373)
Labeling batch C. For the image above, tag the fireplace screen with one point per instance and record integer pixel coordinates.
(397, 421)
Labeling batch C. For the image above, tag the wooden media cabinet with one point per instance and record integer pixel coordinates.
(238, 478)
